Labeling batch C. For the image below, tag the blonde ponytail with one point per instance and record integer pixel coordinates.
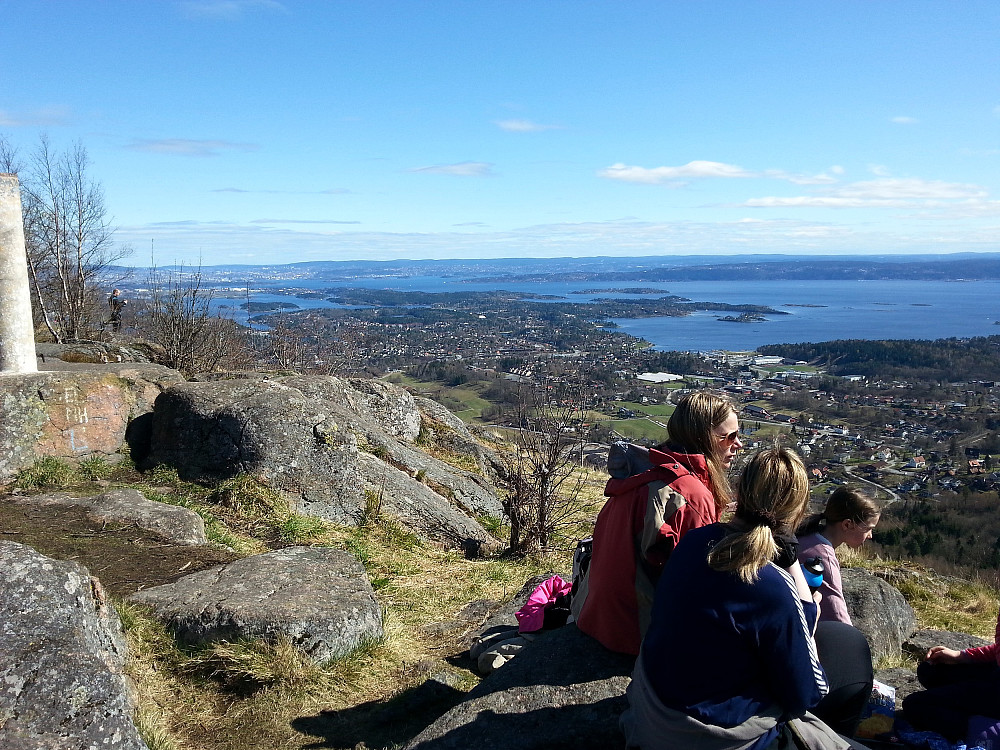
(771, 498)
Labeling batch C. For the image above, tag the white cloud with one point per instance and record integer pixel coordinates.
(525, 126)
(703, 170)
(904, 120)
(837, 169)
(819, 201)
(659, 175)
(878, 170)
(462, 169)
(226, 10)
(188, 147)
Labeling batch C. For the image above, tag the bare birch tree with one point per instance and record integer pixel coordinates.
(69, 241)
(178, 316)
(540, 487)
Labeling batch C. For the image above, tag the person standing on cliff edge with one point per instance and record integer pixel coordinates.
(116, 303)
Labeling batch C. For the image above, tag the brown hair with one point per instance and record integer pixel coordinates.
(845, 504)
(772, 495)
(690, 427)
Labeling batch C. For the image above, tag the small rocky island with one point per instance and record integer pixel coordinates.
(743, 318)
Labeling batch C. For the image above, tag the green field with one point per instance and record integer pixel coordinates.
(639, 429)
(465, 403)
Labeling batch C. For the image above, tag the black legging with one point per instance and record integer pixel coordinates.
(954, 693)
(847, 661)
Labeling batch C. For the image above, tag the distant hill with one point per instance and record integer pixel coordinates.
(954, 267)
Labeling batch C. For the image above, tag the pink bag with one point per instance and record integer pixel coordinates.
(531, 617)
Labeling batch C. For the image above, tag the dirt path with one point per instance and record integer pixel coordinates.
(124, 557)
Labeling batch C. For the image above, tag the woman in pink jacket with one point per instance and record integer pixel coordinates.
(850, 518)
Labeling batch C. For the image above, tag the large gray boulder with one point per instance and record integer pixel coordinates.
(76, 414)
(879, 611)
(318, 598)
(387, 421)
(62, 659)
(563, 690)
(330, 445)
(169, 522)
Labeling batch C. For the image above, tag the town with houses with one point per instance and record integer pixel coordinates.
(901, 445)
(902, 438)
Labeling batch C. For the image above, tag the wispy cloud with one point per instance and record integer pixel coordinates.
(187, 147)
(302, 221)
(678, 176)
(244, 191)
(904, 120)
(883, 193)
(462, 169)
(33, 118)
(979, 151)
(227, 10)
(622, 237)
(525, 126)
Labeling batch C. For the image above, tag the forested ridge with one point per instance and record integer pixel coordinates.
(898, 359)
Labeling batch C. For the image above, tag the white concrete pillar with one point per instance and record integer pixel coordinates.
(17, 331)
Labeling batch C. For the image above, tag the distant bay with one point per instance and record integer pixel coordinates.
(818, 310)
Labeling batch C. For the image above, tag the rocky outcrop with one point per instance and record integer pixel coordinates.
(170, 522)
(333, 447)
(318, 598)
(62, 659)
(67, 356)
(564, 690)
(75, 414)
(879, 611)
(921, 641)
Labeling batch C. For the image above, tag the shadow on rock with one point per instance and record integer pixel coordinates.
(563, 690)
(383, 723)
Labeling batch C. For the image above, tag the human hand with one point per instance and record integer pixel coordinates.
(943, 655)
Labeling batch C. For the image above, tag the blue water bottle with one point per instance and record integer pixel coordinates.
(813, 570)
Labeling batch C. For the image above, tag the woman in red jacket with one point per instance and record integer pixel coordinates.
(959, 685)
(683, 486)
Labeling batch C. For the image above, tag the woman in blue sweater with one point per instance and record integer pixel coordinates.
(729, 660)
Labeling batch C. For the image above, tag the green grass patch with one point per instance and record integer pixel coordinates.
(299, 529)
(47, 473)
(94, 468)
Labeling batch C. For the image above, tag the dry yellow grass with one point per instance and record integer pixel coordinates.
(940, 602)
(253, 695)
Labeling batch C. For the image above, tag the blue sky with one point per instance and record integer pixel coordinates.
(258, 131)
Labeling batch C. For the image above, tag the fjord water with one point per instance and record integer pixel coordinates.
(818, 310)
